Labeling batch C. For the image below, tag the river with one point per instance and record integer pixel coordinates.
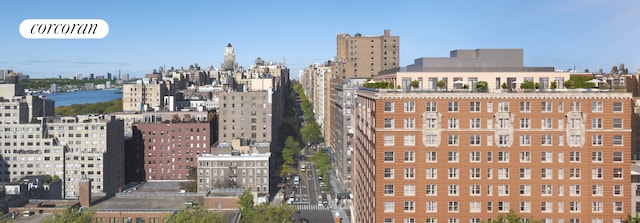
(84, 97)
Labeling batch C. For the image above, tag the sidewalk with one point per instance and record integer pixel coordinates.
(345, 204)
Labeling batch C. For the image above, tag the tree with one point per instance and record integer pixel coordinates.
(415, 84)
(465, 86)
(71, 214)
(292, 144)
(569, 84)
(441, 84)
(537, 85)
(527, 85)
(246, 203)
(554, 85)
(482, 86)
(504, 86)
(512, 217)
(311, 132)
(287, 170)
(196, 214)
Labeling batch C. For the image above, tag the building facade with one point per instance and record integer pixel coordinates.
(469, 157)
(171, 149)
(365, 56)
(235, 170)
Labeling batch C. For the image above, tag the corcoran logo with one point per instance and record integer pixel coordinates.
(64, 29)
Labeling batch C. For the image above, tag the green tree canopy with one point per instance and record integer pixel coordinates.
(196, 214)
(70, 214)
(95, 108)
(311, 133)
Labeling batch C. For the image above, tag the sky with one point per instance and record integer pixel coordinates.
(144, 35)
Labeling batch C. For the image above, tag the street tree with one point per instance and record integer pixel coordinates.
(311, 132)
(196, 214)
(71, 214)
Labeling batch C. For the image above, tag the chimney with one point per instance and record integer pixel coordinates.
(84, 194)
(387, 32)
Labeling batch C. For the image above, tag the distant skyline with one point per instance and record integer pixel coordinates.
(585, 34)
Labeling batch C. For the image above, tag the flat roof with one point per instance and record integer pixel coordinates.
(151, 203)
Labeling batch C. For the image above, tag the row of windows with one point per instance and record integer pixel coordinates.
(597, 190)
(503, 206)
(504, 106)
(503, 173)
(503, 156)
(479, 220)
(504, 123)
(524, 139)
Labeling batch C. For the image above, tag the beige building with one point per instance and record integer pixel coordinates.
(365, 56)
(235, 170)
(469, 157)
(146, 95)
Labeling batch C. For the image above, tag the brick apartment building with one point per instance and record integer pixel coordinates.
(469, 157)
(170, 149)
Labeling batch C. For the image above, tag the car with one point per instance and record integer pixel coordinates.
(319, 177)
(320, 204)
(321, 184)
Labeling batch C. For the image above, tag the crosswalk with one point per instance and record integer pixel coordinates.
(308, 207)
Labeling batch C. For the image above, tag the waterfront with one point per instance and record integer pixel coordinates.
(83, 97)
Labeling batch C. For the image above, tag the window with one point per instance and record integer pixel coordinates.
(546, 140)
(389, 140)
(453, 173)
(474, 207)
(453, 140)
(389, 206)
(574, 157)
(617, 190)
(388, 123)
(410, 140)
(617, 207)
(560, 106)
(474, 106)
(453, 206)
(596, 173)
(388, 106)
(503, 173)
(453, 106)
(453, 189)
(489, 206)
(432, 173)
(388, 173)
(432, 156)
(503, 140)
(546, 173)
(617, 106)
(574, 173)
(617, 156)
(525, 157)
(596, 207)
(489, 190)
(503, 106)
(574, 106)
(474, 173)
(388, 189)
(388, 220)
(452, 156)
(503, 190)
(525, 140)
(489, 173)
(617, 123)
(525, 190)
(504, 123)
(409, 190)
(409, 123)
(596, 140)
(431, 190)
(546, 123)
(388, 156)
(525, 173)
(546, 106)
(474, 156)
(454, 123)
(409, 106)
(617, 173)
(489, 157)
(431, 106)
(503, 157)
(546, 157)
(431, 123)
(474, 140)
(596, 190)
(546, 207)
(596, 123)
(409, 156)
(503, 206)
(546, 190)
(596, 106)
(525, 123)
(409, 206)
(574, 190)
(525, 106)
(617, 140)
(596, 157)
(575, 140)
(474, 190)
(574, 206)
(525, 206)
(432, 207)
(474, 123)
(409, 173)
